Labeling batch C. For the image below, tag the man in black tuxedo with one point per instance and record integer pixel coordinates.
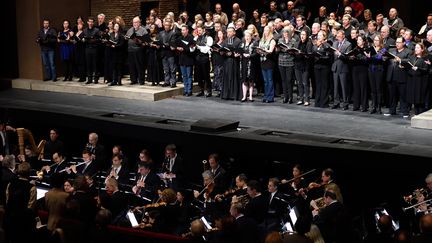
(118, 171)
(247, 228)
(87, 167)
(98, 151)
(257, 206)
(114, 200)
(276, 205)
(220, 174)
(172, 170)
(58, 167)
(332, 220)
(7, 175)
(5, 134)
(147, 182)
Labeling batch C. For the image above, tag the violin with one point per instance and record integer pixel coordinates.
(155, 205)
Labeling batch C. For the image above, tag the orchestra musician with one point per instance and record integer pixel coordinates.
(256, 208)
(211, 189)
(171, 172)
(218, 172)
(87, 167)
(59, 165)
(298, 182)
(7, 175)
(98, 151)
(327, 183)
(119, 172)
(276, 205)
(147, 182)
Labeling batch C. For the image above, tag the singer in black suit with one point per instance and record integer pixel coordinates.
(397, 76)
(340, 70)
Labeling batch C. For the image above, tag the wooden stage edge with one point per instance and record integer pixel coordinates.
(125, 91)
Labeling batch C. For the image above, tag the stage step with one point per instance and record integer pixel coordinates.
(126, 91)
(424, 120)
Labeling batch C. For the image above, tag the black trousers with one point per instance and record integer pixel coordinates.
(136, 66)
(376, 86)
(322, 74)
(302, 77)
(91, 61)
(340, 81)
(68, 71)
(202, 70)
(360, 87)
(397, 92)
(287, 82)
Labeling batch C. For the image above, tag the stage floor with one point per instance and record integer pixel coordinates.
(351, 127)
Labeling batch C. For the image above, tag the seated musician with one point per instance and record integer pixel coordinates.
(53, 144)
(86, 167)
(59, 165)
(256, 208)
(247, 227)
(172, 168)
(113, 200)
(118, 171)
(147, 182)
(332, 220)
(239, 191)
(211, 189)
(327, 182)
(218, 172)
(276, 205)
(296, 183)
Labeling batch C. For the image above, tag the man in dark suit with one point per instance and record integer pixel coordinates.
(257, 206)
(387, 40)
(332, 220)
(5, 133)
(86, 167)
(59, 165)
(98, 151)
(220, 174)
(7, 175)
(247, 228)
(397, 78)
(340, 70)
(276, 205)
(53, 144)
(118, 171)
(147, 182)
(114, 200)
(172, 170)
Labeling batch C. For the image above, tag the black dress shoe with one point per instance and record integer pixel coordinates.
(200, 94)
(70, 79)
(373, 111)
(189, 94)
(335, 106)
(208, 95)
(65, 79)
(173, 85)
(251, 100)
(81, 80)
(165, 85)
(112, 84)
(364, 110)
(285, 100)
(356, 109)
(46, 79)
(290, 101)
(88, 82)
(264, 101)
(345, 108)
(243, 100)
(133, 82)
(54, 80)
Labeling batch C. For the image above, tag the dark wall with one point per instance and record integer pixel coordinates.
(8, 42)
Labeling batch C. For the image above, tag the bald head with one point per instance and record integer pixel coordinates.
(197, 227)
(236, 7)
